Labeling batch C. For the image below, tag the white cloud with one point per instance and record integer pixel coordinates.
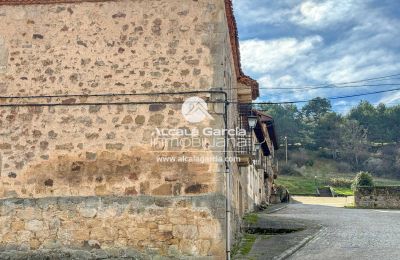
(392, 98)
(348, 66)
(256, 11)
(310, 13)
(260, 56)
(319, 14)
(300, 43)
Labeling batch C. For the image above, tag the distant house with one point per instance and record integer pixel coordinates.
(95, 151)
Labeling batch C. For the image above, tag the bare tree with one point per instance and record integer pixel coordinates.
(354, 139)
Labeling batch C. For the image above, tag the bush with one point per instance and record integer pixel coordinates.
(362, 179)
(340, 182)
(310, 163)
(288, 169)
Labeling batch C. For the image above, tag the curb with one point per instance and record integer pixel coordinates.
(297, 247)
(278, 209)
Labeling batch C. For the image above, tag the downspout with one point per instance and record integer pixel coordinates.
(228, 184)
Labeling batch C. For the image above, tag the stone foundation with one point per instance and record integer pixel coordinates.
(141, 226)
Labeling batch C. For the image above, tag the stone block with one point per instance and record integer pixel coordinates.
(88, 212)
(81, 234)
(185, 231)
(17, 225)
(3, 55)
(34, 225)
(163, 190)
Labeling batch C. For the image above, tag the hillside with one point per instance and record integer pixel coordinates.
(307, 170)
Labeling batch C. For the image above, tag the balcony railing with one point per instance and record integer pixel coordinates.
(244, 144)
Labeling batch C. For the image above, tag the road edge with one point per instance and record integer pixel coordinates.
(294, 249)
(277, 209)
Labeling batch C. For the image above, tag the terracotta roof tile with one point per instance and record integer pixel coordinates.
(242, 78)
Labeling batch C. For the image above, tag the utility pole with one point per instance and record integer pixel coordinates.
(286, 148)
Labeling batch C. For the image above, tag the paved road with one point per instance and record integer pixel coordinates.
(347, 233)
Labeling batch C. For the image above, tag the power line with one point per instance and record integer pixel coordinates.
(356, 81)
(333, 87)
(117, 94)
(178, 102)
(330, 98)
(368, 79)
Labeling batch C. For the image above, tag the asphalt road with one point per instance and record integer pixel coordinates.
(347, 233)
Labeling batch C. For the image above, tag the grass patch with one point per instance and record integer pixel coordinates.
(298, 185)
(386, 182)
(246, 244)
(343, 191)
(325, 170)
(251, 218)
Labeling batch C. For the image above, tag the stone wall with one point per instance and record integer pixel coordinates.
(123, 47)
(90, 227)
(109, 47)
(383, 197)
(96, 150)
(71, 146)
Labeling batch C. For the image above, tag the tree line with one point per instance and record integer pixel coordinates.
(367, 138)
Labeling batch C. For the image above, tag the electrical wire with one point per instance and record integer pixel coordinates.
(387, 77)
(330, 98)
(333, 87)
(181, 102)
(115, 94)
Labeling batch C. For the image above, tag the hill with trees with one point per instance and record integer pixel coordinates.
(365, 139)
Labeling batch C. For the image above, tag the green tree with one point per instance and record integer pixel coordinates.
(287, 122)
(316, 108)
(327, 132)
(311, 114)
(392, 124)
(370, 118)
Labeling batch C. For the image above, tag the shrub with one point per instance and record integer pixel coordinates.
(362, 179)
(310, 163)
(289, 169)
(340, 182)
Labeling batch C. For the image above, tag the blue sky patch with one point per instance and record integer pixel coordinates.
(298, 44)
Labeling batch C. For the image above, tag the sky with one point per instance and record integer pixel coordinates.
(311, 43)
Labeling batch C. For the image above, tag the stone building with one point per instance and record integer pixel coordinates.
(86, 88)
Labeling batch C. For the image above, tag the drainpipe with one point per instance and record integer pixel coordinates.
(227, 183)
(227, 177)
